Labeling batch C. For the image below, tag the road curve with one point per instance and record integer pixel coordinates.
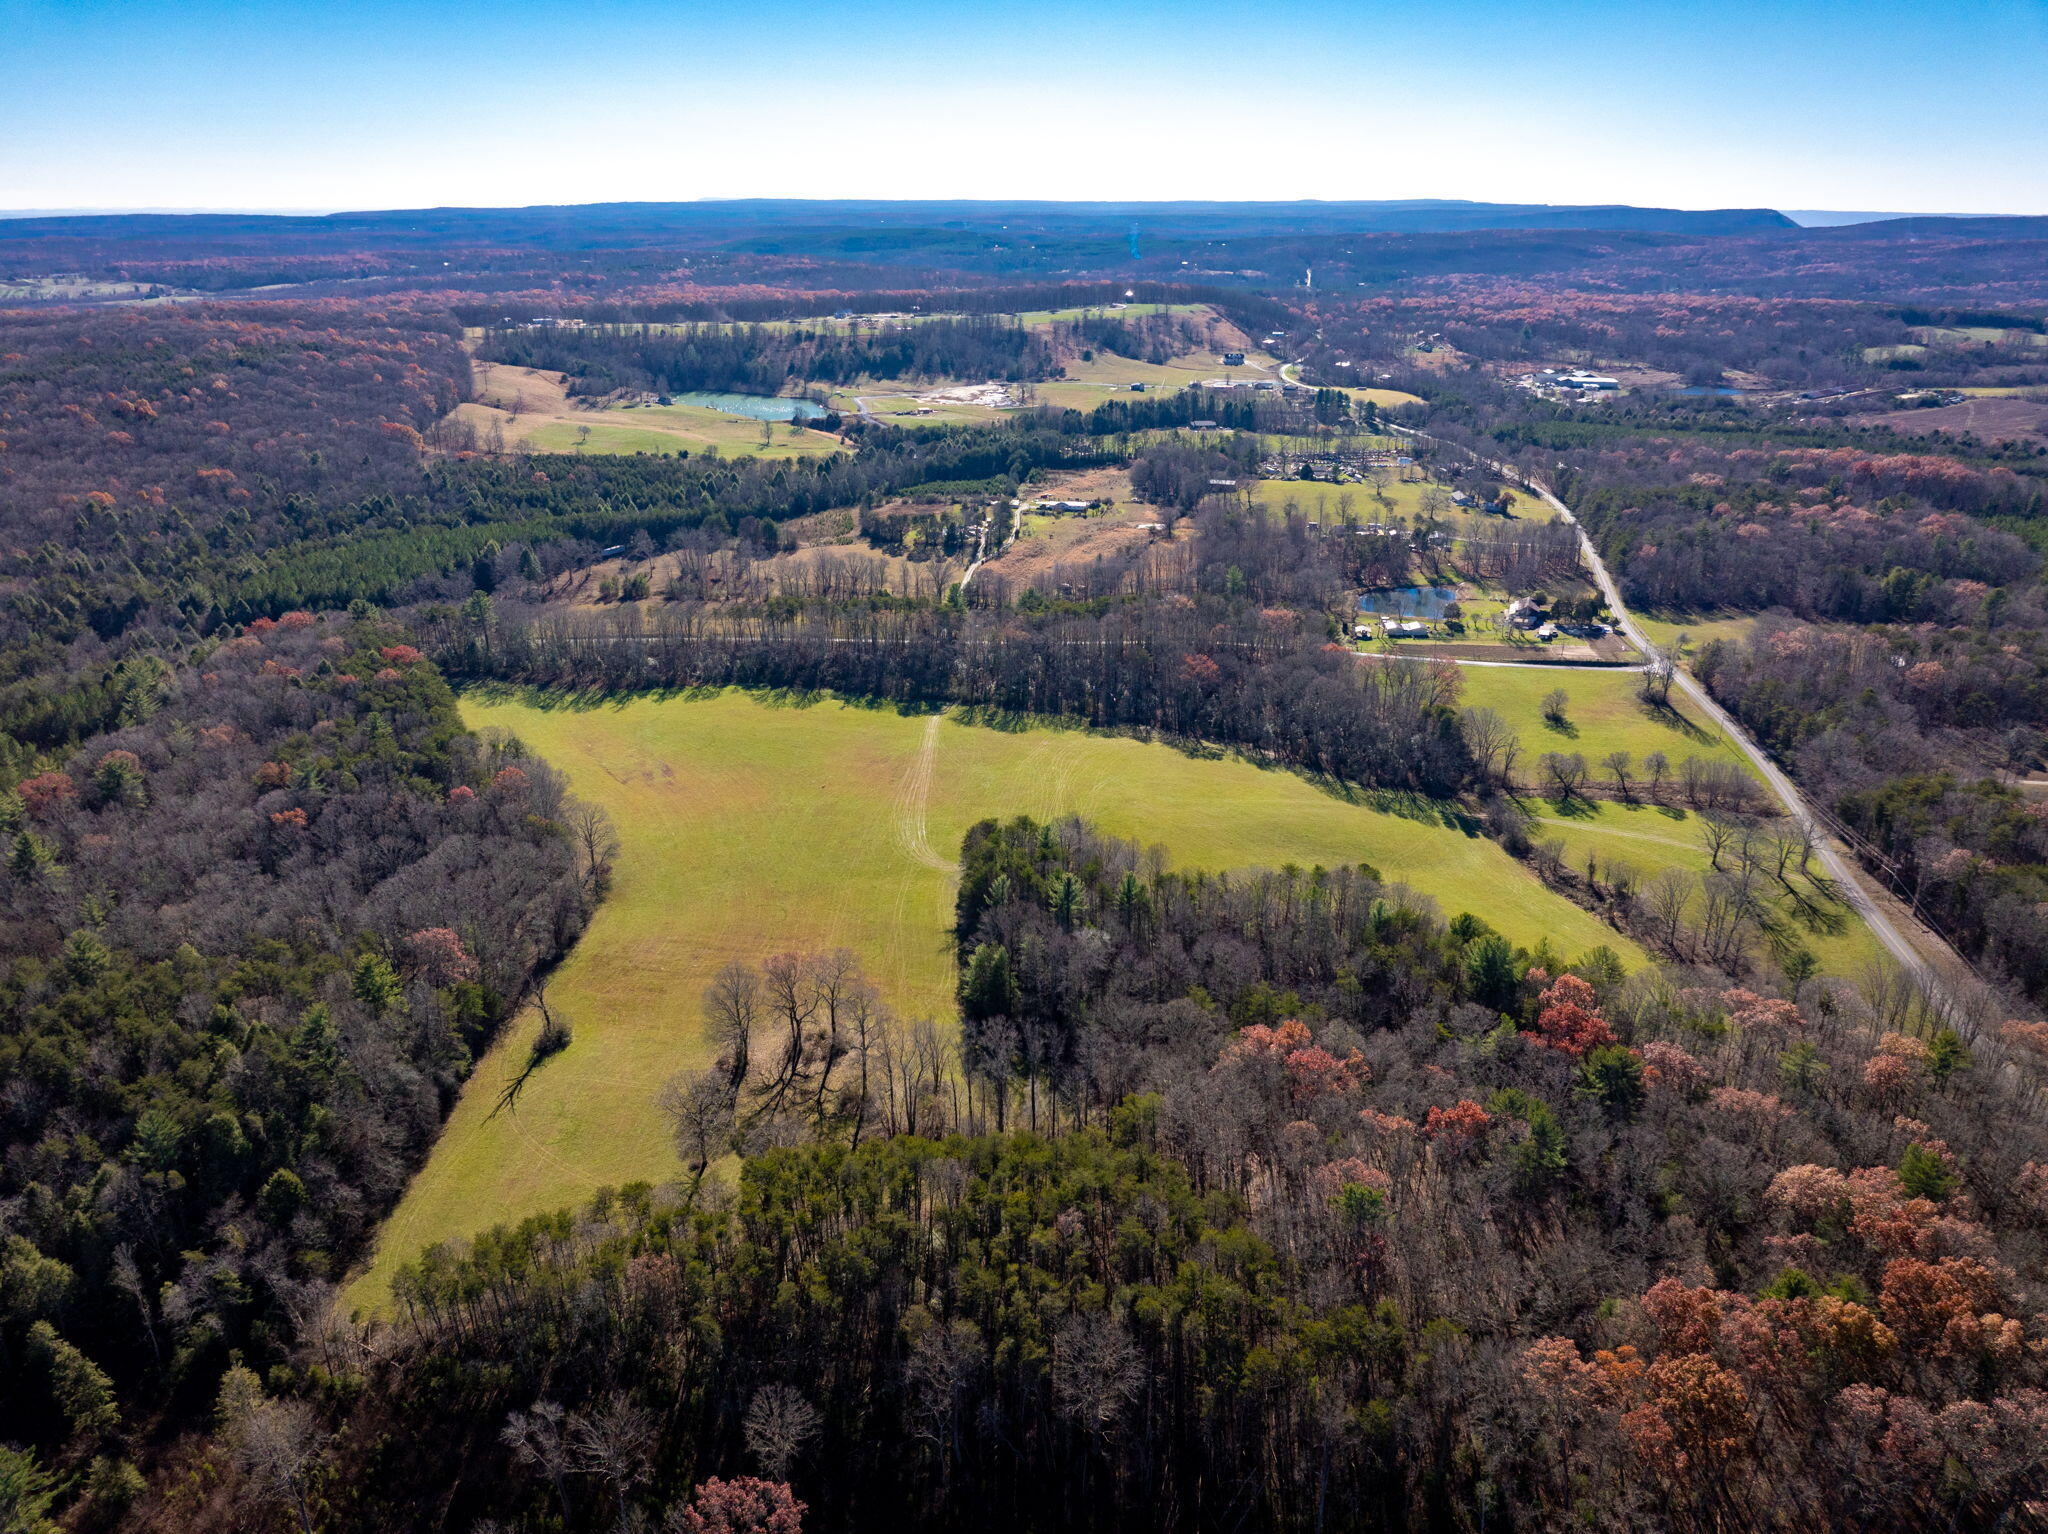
(1847, 877)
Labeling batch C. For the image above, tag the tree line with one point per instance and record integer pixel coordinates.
(251, 939)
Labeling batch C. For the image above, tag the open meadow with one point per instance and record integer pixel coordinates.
(1680, 635)
(752, 826)
(527, 409)
(1331, 503)
(1651, 839)
(1603, 713)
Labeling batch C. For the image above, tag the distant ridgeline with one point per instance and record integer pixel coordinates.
(750, 249)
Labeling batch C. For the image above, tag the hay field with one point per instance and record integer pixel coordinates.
(531, 410)
(752, 827)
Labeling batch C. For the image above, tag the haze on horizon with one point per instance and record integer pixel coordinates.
(109, 104)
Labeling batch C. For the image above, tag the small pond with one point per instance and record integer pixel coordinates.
(755, 407)
(1409, 601)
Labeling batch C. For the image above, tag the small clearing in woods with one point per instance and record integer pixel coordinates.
(523, 408)
(1994, 419)
(1047, 539)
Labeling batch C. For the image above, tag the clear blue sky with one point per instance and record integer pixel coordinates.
(1937, 107)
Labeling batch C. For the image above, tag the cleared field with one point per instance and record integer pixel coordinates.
(1995, 419)
(1189, 368)
(908, 410)
(524, 408)
(1977, 335)
(729, 435)
(1651, 839)
(1040, 317)
(1603, 715)
(1952, 337)
(1386, 399)
(1666, 628)
(751, 828)
(1325, 502)
(1086, 396)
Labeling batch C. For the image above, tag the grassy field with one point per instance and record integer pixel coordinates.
(1653, 838)
(1665, 628)
(1189, 368)
(902, 409)
(1977, 335)
(1954, 336)
(1603, 714)
(531, 409)
(751, 828)
(1326, 502)
(668, 429)
(1386, 399)
(1031, 319)
(1042, 317)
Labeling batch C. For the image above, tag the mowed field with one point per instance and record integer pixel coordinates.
(751, 828)
(1695, 629)
(1330, 503)
(1651, 839)
(1603, 714)
(529, 409)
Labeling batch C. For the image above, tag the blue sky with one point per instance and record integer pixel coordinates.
(1798, 104)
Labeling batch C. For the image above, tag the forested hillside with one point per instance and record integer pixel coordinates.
(255, 933)
(1333, 1215)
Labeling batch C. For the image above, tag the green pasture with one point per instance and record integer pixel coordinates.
(1324, 502)
(1603, 714)
(752, 826)
(1650, 839)
(666, 429)
(1666, 629)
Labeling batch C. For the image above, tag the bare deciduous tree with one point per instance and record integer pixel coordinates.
(779, 1423)
(1495, 746)
(278, 1445)
(699, 1108)
(539, 1438)
(615, 1443)
(1097, 1370)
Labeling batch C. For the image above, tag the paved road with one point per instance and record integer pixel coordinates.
(1845, 874)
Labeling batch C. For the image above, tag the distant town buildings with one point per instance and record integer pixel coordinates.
(1568, 382)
